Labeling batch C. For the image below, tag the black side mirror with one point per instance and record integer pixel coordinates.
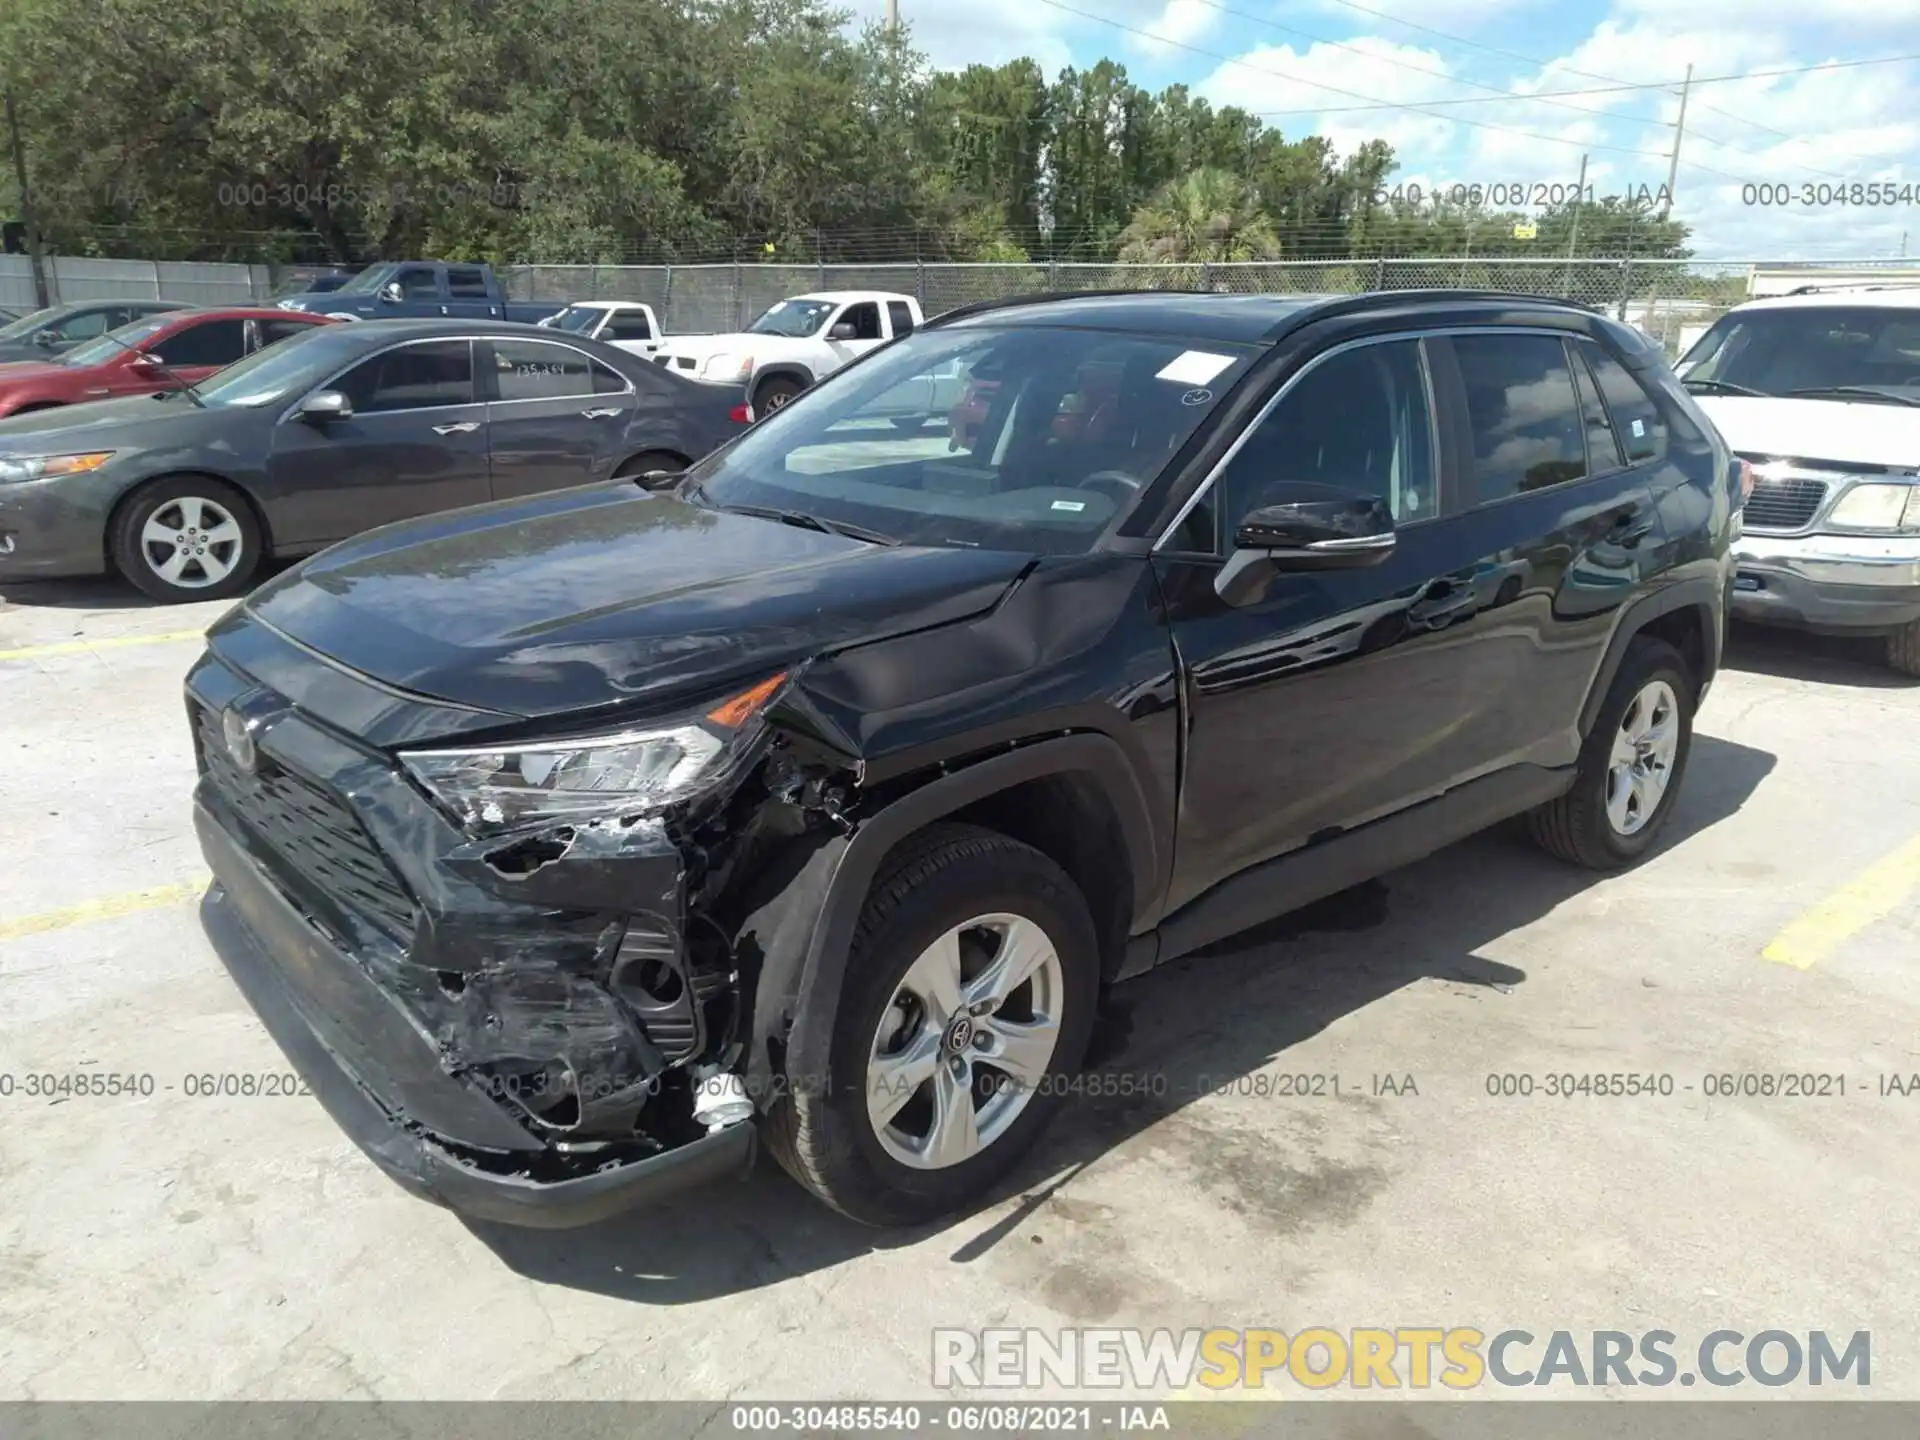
(45, 339)
(1343, 534)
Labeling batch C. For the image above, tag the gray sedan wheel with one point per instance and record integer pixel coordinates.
(187, 537)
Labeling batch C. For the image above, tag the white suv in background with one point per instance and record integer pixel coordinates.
(1820, 392)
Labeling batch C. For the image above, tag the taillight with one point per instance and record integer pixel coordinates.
(741, 414)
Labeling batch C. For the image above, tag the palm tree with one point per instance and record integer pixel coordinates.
(1207, 217)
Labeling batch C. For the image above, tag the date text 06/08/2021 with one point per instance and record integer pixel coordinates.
(1514, 194)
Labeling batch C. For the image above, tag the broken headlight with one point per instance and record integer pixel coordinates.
(631, 772)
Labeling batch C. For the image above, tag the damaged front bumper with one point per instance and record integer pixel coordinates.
(515, 1044)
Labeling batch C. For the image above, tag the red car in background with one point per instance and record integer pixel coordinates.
(158, 353)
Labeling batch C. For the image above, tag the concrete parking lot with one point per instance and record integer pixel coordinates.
(171, 1246)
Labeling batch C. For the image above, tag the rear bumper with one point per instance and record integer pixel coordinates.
(303, 988)
(1827, 583)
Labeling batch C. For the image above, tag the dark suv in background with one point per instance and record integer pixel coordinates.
(568, 844)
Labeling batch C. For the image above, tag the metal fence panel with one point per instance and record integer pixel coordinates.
(16, 283)
(205, 284)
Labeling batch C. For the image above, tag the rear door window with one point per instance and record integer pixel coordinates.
(1603, 448)
(1523, 413)
(465, 284)
(535, 370)
(900, 317)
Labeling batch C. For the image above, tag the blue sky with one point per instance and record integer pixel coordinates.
(1822, 128)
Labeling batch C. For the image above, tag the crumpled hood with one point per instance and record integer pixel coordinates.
(1852, 433)
(596, 596)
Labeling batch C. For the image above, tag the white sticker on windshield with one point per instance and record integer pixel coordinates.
(1639, 429)
(1074, 505)
(1194, 367)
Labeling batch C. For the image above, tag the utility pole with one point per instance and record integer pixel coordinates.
(1573, 240)
(1679, 130)
(40, 297)
(893, 17)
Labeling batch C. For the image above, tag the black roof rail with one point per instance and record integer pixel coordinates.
(1337, 304)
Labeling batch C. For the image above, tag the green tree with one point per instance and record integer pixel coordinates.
(1208, 217)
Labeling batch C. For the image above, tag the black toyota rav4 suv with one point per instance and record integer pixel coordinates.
(569, 844)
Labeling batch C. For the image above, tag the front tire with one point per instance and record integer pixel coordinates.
(1903, 648)
(969, 995)
(1630, 767)
(189, 537)
(775, 394)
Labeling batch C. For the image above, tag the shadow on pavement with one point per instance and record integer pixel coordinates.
(1857, 660)
(1200, 1022)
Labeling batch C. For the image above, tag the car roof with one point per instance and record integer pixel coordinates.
(839, 297)
(237, 312)
(1885, 297)
(603, 304)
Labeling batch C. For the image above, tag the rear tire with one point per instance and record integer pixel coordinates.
(1616, 809)
(1903, 648)
(970, 898)
(187, 537)
(775, 394)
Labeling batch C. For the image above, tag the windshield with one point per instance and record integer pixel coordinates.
(579, 319)
(115, 342)
(367, 281)
(282, 368)
(1777, 352)
(792, 318)
(1022, 438)
(27, 324)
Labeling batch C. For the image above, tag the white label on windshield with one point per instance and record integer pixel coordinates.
(1639, 429)
(1194, 367)
(1075, 505)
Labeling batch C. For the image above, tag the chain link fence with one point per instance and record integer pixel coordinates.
(1672, 300)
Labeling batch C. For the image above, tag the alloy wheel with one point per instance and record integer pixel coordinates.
(965, 1042)
(192, 542)
(1641, 763)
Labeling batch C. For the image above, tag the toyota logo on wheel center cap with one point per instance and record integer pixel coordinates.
(959, 1034)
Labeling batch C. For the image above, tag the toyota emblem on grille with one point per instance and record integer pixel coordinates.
(238, 731)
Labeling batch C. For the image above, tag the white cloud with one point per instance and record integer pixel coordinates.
(1181, 22)
(1853, 13)
(1277, 77)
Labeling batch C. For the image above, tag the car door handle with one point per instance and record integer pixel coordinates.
(459, 428)
(606, 414)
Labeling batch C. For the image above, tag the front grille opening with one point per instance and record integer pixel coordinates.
(1784, 504)
(312, 834)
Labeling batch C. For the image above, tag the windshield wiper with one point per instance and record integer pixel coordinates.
(1857, 392)
(1722, 387)
(812, 522)
(160, 365)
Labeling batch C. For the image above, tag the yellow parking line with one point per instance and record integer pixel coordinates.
(106, 908)
(116, 642)
(1871, 896)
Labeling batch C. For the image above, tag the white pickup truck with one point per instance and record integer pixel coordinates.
(624, 324)
(794, 343)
